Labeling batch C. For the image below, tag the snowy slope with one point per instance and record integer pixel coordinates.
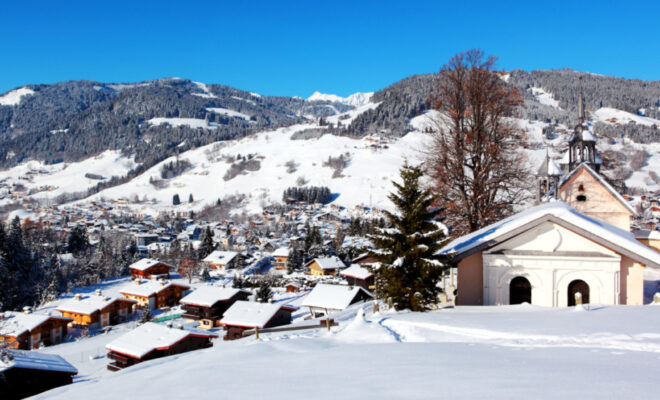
(55, 179)
(14, 97)
(544, 97)
(356, 99)
(613, 116)
(366, 179)
(462, 353)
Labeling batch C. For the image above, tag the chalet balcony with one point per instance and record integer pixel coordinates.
(114, 367)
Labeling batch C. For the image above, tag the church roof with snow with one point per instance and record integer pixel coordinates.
(610, 236)
(601, 181)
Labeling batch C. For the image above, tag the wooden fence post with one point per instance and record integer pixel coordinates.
(256, 332)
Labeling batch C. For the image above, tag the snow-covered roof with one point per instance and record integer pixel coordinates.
(147, 288)
(603, 183)
(647, 234)
(610, 236)
(250, 314)
(35, 360)
(13, 323)
(329, 262)
(356, 271)
(88, 304)
(587, 136)
(207, 296)
(281, 252)
(220, 257)
(149, 337)
(146, 263)
(333, 297)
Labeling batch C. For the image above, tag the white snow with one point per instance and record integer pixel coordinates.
(14, 97)
(331, 297)
(207, 296)
(147, 288)
(228, 112)
(35, 360)
(613, 116)
(207, 93)
(544, 97)
(191, 122)
(146, 338)
(250, 314)
(220, 257)
(356, 271)
(348, 117)
(14, 323)
(88, 304)
(329, 262)
(145, 263)
(356, 99)
(461, 353)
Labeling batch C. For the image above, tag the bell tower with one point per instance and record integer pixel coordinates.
(582, 144)
(547, 180)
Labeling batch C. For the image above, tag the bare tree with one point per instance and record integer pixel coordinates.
(475, 162)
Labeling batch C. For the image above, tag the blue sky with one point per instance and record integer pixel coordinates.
(293, 48)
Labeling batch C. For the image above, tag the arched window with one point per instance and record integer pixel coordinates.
(578, 286)
(520, 291)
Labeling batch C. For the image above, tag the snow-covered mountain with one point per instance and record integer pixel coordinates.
(356, 99)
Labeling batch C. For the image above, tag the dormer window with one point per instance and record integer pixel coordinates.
(581, 197)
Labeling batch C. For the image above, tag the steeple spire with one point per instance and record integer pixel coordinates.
(580, 104)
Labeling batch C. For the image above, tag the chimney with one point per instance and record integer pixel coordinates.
(137, 281)
(98, 292)
(27, 310)
(179, 326)
(169, 324)
(77, 297)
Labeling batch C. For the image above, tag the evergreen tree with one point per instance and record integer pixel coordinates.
(205, 277)
(237, 282)
(264, 292)
(207, 246)
(410, 269)
(146, 315)
(78, 241)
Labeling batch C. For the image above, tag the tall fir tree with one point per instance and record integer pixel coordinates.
(207, 246)
(410, 266)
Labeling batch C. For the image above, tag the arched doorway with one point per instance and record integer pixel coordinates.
(576, 286)
(520, 291)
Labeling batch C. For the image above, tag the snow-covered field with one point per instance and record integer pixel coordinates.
(14, 97)
(466, 352)
(56, 179)
(366, 180)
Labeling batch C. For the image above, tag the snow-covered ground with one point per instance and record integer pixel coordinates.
(228, 112)
(366, 180)
(544, 97)
(613, 116)
(466, 352)
(56, 179)
(14, 97)
(191, 122)
(356, 99)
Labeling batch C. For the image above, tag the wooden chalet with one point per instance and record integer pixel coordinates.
(150, 341)
(244, 315)
(357, 275)
(293, 287)
(154, 294)
(324, 298)
(219, 259)
(26, 373)
(28, 330)
(325, 266)
(364, 259)
(281, 256)
(150, 268)
(207, 304)
(96, 311)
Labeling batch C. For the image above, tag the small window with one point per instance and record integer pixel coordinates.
(581, 188)
(581, 198)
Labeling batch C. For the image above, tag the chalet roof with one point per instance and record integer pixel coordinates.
(250, 314)
(332, 297)
(281, 252)
(148, 288)
(647, 234)
(220, 257)
(146, 263)
(602, 182)
(356, 271)
(558, 212)
(328, 263)
(14, 323)
(149, 337)
(207, 296)
(88, 304)
(35, 360)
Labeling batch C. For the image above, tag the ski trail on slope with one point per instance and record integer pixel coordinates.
(408, 331)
